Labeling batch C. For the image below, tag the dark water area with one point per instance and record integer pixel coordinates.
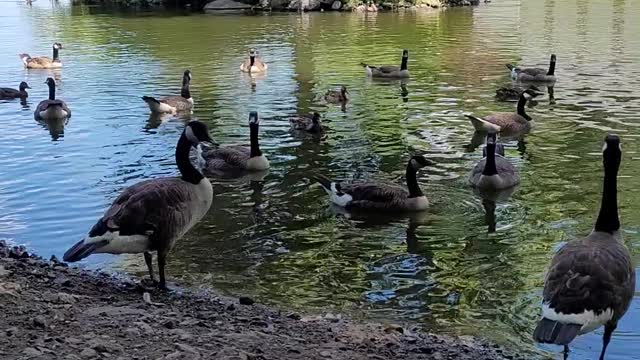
(276, 237)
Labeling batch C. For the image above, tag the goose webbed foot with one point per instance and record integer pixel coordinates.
(565, 352)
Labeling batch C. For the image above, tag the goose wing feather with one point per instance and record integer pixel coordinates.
(228, 157)
(534, 71)
(177, 102)
(375, 192)
(593, 273)
(508, 121)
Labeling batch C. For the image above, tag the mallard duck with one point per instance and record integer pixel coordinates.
(379, 197)
(252, 64)
(493, 172)
(51, 109)
(173, 104)
(153, 215)
(237, 158)
(43, 62)
(513, 93)
(337, 96)
(9, 93)
(507, 123)
(534, 74)
(308, 123)
(389, 71)
(591, 280)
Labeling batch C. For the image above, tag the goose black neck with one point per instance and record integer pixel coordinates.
(184, 92)
(490, 161)
(187, 170)
(255, 146)
(608, 217)
(521, 103)
(52, 91)
(405, 60)
(412, 182)
(252, 60)
(552, 67)
(55, 54)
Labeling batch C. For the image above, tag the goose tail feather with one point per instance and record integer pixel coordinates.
(554, 332)
(324, 181)
(482, 125)
(81, 250)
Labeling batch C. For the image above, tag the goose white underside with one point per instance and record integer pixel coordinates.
(257, 163)
(588, 318)
(417, 203)
(367, 71)
(161, 107)
(130, 244)
(340, 200)
(53, 112)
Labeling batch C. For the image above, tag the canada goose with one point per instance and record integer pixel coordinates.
(51, 109)
(591, 280)
(380, 197)
(173, 104)
(389, 71)
(9, 93)
(43, 62)
(494, 172)
(153, 214)
(310, 124)
(535, 74)
(506, 122)
(337, 96)
(513, 93)
(252, 64)
(236, 158)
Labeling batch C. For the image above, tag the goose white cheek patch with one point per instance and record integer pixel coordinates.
(190, 135)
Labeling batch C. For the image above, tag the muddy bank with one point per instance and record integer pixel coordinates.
(51, 311)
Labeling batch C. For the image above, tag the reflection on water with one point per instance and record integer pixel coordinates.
(469, 266)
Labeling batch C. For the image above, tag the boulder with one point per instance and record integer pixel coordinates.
(226, 5)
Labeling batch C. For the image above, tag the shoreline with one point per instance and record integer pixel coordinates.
(55, 311)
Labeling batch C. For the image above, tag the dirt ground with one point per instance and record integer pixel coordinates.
(51, 311)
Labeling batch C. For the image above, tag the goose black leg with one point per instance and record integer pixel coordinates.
(149, 260)
(608, 330)
(566, 352)
(162, 258)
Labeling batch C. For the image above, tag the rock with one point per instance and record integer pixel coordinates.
(88, 353)
(4, 272)
(132, 332)
(11, 331)
(226, 5)
(294, 316)
(170, 324)
(304, 5)
(144, 327)
(62, 281)
(336, 5)
(245, 300)
(39, 322)
(114, 311)
(31, 352)
(187, 348)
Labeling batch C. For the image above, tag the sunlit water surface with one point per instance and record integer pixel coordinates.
(277, 239)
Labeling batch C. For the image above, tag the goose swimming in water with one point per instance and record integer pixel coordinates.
(494, 172)
(389, 71)
(534, 74)
(153, 215)
(507, 123)
(51, 109)
(380, 197)
(43, 62)
(253, 64)
(309, 123)
(591, 280)
(173, 104)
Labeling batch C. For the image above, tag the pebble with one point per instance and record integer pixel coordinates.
(186, 348)
(245, 300)
(31, 352)
(88, 353)
(39, 321)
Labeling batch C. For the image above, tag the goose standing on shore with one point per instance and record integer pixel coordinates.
(507, 123)
(252, 64)
(380, 197)
(173, 104)
(20, 93)
(153, 214)
(591, 280)
(535, 74)
(43, 62)
(494, 172)
(389, 71)
(51, 109)
(310, 124)
(237, 158)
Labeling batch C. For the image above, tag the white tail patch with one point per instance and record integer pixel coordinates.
(336, 198)
(588, 318)
(130, 244)
(258, 163)
(53, 112)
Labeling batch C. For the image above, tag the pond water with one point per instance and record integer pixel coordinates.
(277, 238)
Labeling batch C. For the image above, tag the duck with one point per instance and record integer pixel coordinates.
(389, 71)
(43, 62)
(237, 158)
(51, 109)
(534, 74)
(154, 214)
(20, 93)
(253, 64)
(373, 196)
(173, 104)
(307, 123)
(591, 280)
(507, 123)
(494, 172)
(507, 93)
(337, 96)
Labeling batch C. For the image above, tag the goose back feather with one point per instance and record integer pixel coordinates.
(43, 62)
